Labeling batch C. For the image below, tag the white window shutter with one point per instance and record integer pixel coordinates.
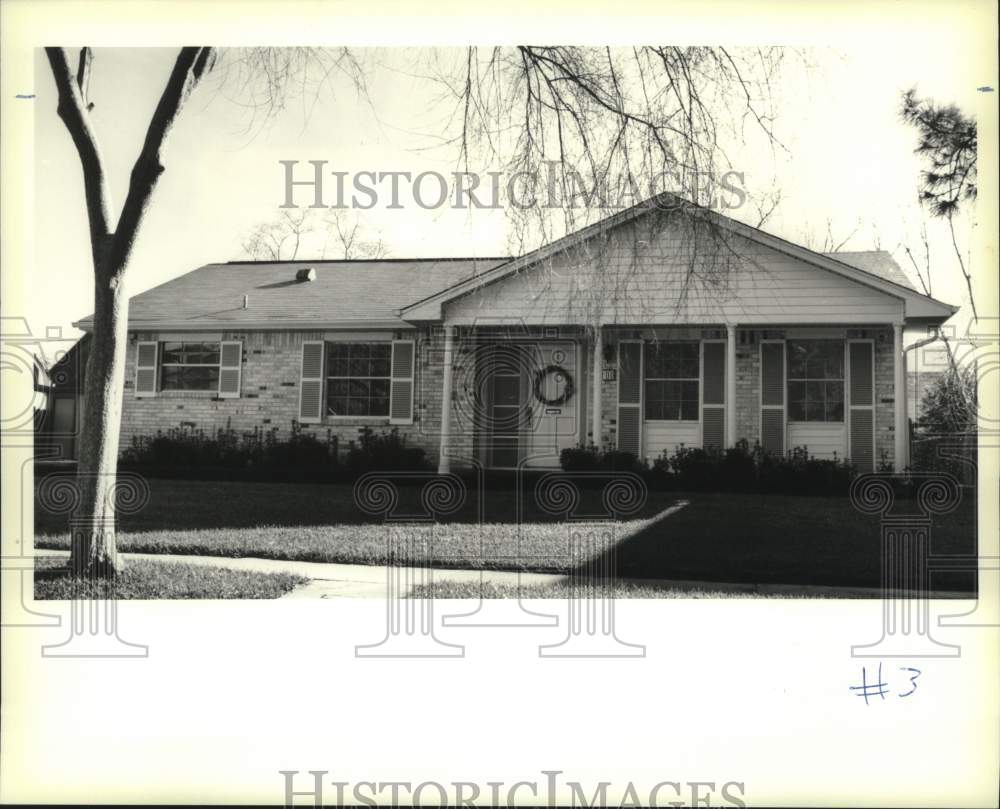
(311, 382)
(861, 401)
(713, 395)
(145, 369)
(630, 384)
(772, 396)
(401, 385)
(230, 369)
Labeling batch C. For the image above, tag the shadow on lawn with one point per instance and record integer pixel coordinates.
(742, 538)
(721, 538)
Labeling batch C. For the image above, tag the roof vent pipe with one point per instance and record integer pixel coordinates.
(246, 301)
(306, 274)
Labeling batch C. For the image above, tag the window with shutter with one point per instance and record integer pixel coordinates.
(311, 382)
(630, 396)
(145, 369)
(230, 369)
(815, 380)
(402, 382)
(358, 379)
(189, 365)
(670, 380)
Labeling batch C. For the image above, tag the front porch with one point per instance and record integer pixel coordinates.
(516, 396)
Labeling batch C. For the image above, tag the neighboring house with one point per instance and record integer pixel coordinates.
(57, 433)
(643, 332)
(41, 386)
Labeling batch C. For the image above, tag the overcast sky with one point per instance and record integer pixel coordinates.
(849, 160)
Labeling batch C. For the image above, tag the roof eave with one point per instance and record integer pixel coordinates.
(259, 325)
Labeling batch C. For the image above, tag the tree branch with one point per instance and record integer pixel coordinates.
(961, 263)
(191, 65)
(83, 75)
(72, 110)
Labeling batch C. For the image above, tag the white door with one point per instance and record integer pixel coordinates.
(554, 397)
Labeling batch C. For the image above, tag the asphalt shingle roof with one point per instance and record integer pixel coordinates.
(345, 291)
(879, 263)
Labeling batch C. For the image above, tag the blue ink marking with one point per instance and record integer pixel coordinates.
(24, 95)
(913, 680)
(870, 690)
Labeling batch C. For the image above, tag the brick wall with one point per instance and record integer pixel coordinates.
(270, 394)
(748, 389)
(885, 431)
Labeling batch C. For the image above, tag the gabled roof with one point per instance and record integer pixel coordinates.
(871, 272)
(876, 262)
(350, 293)
(394, 293)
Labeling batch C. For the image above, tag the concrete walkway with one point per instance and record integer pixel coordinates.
(336, 580)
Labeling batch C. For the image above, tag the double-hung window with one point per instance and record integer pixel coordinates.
(816, 380)
(672, 374)
(358, 379)
(189, 366)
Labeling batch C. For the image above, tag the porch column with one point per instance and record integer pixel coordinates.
(595, 412)
(730, 385)
(901, 432)
(444, 462)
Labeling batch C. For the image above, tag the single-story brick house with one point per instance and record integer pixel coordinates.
(644, 331)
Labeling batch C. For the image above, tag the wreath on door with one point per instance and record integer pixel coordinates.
(540, 378)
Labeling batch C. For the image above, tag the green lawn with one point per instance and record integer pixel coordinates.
(726, 538)
(193, 505)
(142, 578)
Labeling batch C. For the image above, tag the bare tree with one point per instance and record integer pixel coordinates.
(616, 125)
(281, 239)
(923, 267)
(93, 550)
(831, 242)
(766, 206)
(351, 238)
(266, 78)
(601, 130)
(296, 229)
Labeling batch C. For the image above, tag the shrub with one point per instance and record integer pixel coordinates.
(383, 452)
(580, 459)
(301, 449)
(739, 468)
(592, 459)
(697, 468)
(255, 455)
(944, 438)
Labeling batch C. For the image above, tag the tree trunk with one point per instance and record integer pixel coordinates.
(93, 551)
(92, 548)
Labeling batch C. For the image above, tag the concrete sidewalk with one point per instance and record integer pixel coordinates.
(336, 580)
(333, 579)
